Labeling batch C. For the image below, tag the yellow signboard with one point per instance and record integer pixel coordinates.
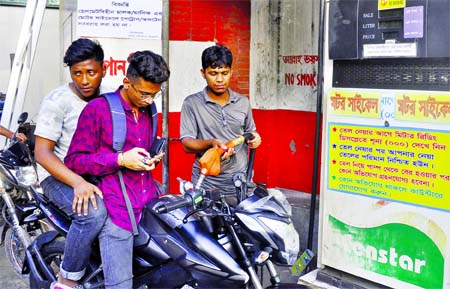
(405, 106)
(405, 165)
(391, 4)
(354, 103)
(386, 193)
(423, 107)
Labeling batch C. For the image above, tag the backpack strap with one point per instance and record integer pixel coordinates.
(119, 121)
(129, 206)
(154, 117)
(119, 128)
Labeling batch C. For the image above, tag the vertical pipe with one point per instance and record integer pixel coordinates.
(318, 127)
(22, 63)
(165, 100)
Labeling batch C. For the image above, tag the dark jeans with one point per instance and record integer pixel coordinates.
(83, 231)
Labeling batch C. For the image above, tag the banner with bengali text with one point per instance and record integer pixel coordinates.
(409, 166)
(386, 186)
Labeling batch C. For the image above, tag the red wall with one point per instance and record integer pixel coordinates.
(224, 22)
(286, 156)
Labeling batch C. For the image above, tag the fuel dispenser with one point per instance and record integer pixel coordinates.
(399, 28)
(385, 193)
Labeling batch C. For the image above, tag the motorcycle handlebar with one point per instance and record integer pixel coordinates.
(191, 198)
(217, 195)
(165, 208)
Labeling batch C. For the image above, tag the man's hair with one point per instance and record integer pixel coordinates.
(83, 49)
(216, 56)
(148, 65)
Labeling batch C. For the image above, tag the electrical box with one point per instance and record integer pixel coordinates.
(360, 29)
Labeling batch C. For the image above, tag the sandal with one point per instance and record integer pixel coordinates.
(57, 285)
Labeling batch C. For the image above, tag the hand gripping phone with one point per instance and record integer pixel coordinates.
(157, 146)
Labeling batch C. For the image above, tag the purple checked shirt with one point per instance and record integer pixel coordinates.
(91, 153)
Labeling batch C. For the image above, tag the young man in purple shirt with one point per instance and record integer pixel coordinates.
(91, 152)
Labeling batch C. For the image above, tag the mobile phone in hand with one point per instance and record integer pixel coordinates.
(157, 146)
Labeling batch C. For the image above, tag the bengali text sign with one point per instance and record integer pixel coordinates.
(355, 103)
(137, 19)
(300, 78)
(426, 107)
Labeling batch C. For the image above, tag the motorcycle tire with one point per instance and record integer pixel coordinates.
(53, 255)
(15, 253)
(15, 250)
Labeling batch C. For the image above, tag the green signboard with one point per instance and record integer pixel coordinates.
(394, 250)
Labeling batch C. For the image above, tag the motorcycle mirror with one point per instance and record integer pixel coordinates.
(22, 118)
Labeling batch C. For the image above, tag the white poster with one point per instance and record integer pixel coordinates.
(137, 19)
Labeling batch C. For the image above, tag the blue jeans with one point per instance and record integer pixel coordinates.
(116, 248)
(83, 230)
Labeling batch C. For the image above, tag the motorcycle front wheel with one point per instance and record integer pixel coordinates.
(15, 250)
(15, 253)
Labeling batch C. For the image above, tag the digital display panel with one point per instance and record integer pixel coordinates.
(390, 13)
(390, 24)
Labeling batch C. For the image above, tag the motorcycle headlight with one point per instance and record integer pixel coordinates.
(287, 233)
(281, 199)
(26, 176)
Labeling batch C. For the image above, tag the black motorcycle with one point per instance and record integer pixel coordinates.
(22, 220)
(192, 240)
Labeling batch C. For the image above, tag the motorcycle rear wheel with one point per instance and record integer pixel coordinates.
(52, 253)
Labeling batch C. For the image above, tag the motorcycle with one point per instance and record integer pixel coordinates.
(23, 222)
(192, 240)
